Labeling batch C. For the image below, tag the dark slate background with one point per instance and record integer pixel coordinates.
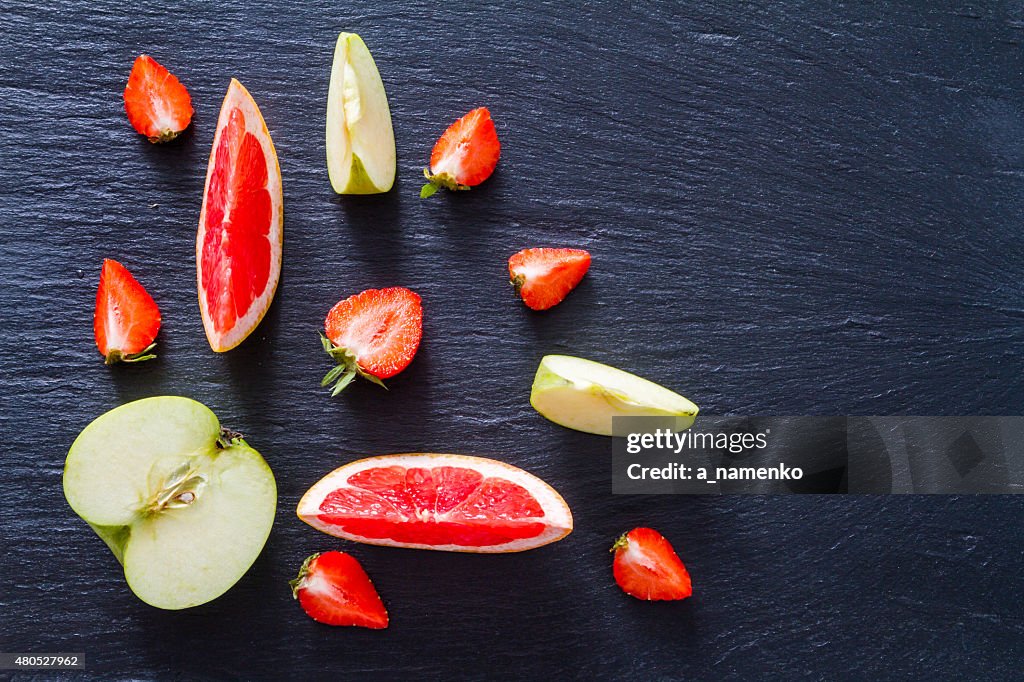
(798, 209)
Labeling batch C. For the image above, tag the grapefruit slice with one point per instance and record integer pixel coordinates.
(238, 246)
(454, 503)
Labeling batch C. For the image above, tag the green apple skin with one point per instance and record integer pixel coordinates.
(584, 395)
(361, 157)
(115, 537)
(185, 509)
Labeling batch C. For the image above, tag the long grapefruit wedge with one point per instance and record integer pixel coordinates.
(454, 503)
(238, 246)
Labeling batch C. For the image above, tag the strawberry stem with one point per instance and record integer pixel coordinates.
(115, 355)
(621, 543)
(296, 583)
(435, 182)
(518, 281)
(165, 135)
(346, 370)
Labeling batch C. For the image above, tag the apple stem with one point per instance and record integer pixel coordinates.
(227, 438)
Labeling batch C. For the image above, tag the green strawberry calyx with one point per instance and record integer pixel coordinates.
(436, 182)
(115, 356)
(346, 370)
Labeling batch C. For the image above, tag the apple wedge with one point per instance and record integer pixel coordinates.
(360, 139)
(585, 395)
(184, 505)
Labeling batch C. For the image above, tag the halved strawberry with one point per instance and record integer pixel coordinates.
(334, 589)
(465, 155)
(543, 277)
(126, 319)
(157, 104)
(646, 567)
(374, 334)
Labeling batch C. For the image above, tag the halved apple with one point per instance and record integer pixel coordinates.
(185, 506)
(585, 395)
(360, 139)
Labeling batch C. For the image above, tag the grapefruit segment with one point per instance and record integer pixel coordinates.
(238, 246)
(437, 501)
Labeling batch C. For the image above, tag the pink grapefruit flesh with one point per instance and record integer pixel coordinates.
(238, 246)
(436, 501)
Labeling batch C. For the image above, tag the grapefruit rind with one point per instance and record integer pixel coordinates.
(238, 96)
(557, 516)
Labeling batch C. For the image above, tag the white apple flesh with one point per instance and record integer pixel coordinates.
(584, 395)
(360, 140)
(185, 508)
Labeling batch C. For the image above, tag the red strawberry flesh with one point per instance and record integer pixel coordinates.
(467, 153)
(374, 334)
(646, 567)
(127, 319)
(157, 104)
(543, 277)
(333, 588)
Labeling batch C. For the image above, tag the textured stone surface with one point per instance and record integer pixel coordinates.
(792, 210)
